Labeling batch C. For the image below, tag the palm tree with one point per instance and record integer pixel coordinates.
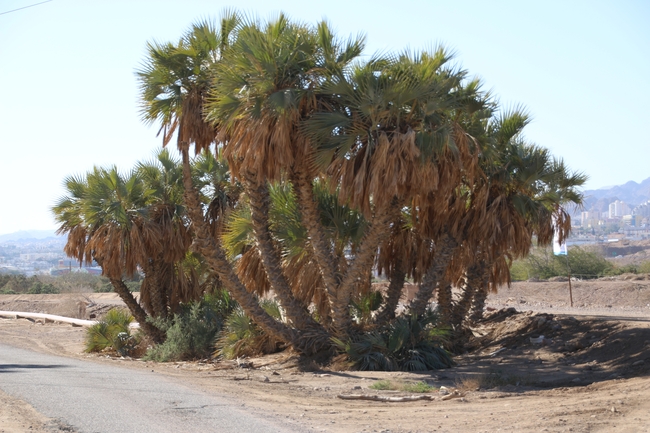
(263, 90)
(175, 80)
(392, 138)
(173, 279)
(105, 217)
(521, 198)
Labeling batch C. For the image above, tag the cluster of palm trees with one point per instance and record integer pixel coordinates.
(136, 221)
(320, 167)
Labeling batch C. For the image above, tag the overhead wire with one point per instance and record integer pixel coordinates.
(24, 7)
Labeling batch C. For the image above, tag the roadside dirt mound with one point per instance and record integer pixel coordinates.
(575, 351)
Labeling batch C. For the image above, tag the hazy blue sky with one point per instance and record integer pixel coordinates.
(69, 94)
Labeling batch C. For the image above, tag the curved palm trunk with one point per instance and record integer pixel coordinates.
(138, 313)
(216, 258)
(157, 297)
(394, 292)
(321, 247)
(480, 296)
(260, 209)
(444, 250)
(472, 284)
(377, 232)
(445, 301)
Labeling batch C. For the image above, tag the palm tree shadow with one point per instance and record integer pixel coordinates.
(14, 368)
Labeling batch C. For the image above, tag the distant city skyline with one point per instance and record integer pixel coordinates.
(70, 99)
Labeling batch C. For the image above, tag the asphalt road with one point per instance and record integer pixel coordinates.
(91, 397)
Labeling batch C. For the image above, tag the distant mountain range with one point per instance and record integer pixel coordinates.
(631, 193)
(26, 235)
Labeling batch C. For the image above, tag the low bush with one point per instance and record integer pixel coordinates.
(106, 287)
(192, 331)
(112, 332)
(620, 270)
(39, 288)
(419, 387)
(542, 264)
(242, 337)
(410, 343)
(383, 385)
(644, 268)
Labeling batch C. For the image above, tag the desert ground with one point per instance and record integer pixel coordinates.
(535, 364)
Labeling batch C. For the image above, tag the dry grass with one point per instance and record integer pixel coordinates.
(420, 387)
(66, 307)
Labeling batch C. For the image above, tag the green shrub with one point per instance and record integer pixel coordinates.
(133, 286)
(192, 331)
(103, 288)
(39, 288)
(17, 283)
(382, 385)
(410, 343)
(242, 337)
(107, 287)
(385, 385)
(73, 282)
(112, 332)
(644, 268)
(519, 271)
(541, 263)
(627, 269)
(585, 263)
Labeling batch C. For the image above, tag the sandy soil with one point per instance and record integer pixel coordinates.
(590, 372)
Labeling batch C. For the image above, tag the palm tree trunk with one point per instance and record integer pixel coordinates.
(138, 313)
(444, 301)
(394, 292)
(321, 247)
(260, 209)
(480, 296)
(444, 250)
(377, 232)
(158, 305)
(215, 256)
(472, 283)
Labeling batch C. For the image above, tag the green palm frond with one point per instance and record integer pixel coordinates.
(238, 236)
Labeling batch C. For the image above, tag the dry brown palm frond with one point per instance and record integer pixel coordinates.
(168, 131)
(392, 168)
(174, 238)
(307, 283)
(76, 244)
(184, 284)
(192, 127)
(499, 272)
(352, 177)
(266, 147)
(551, 222)
(250, 270)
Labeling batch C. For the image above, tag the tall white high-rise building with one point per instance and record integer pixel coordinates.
(618, 209)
